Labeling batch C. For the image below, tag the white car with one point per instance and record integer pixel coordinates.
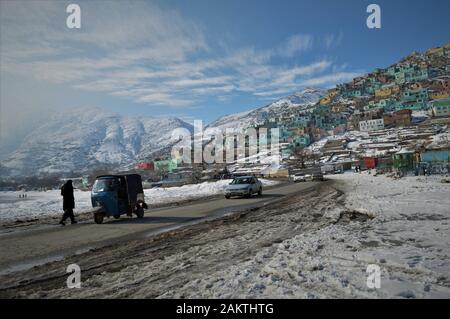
(244, 186)
(298, 178)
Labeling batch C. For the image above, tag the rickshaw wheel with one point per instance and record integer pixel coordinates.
(98, 218)
(140, 212)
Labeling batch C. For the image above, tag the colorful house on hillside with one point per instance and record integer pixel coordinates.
(403, 118)
(436, 156)
(411, 95)
(370, 162)
(353, 93)
(439, 51)
(440, 107)
(146, 166)
(386, 104)
(412, 105)
(302, 120)
(382, 93)
(339, 108)
(441, 94)
(417, 75)
(371, 125)
(413, 100)
(301, 140)
(403, 160)
(400, 118)
(434, 161)
(400, 78)
(165, 165)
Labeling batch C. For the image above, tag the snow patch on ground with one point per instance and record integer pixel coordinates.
(38, 204)
(406, 232)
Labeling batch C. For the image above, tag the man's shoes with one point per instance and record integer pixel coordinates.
(62, 223)
(74, 222)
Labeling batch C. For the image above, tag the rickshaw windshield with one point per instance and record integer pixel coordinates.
(106, 185)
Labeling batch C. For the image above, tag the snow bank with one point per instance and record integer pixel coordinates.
(38, 204)
(388, 198)
(191, 191)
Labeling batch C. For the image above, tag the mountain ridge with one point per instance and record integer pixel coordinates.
(80, 139)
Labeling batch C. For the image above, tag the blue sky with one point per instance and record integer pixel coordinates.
(195, 59)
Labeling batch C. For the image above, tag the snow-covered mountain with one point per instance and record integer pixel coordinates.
(81, 139)
(299, 100)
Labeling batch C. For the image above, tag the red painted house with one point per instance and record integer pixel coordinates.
(370, 162)
(146, 166)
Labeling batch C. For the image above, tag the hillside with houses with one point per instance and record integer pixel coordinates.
(416, 88)
(392, 118)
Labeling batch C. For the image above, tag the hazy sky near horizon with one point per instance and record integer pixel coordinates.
(194, 59)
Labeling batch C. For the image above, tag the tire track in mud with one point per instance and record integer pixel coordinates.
(153, 266)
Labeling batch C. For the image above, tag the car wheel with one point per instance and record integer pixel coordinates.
(227, 196)
(260, 191)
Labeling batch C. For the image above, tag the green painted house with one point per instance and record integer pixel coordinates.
(403, 160)
(166, 165)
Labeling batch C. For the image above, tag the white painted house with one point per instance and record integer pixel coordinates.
(371, 125)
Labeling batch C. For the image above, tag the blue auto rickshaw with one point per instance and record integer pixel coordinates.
(116, 195)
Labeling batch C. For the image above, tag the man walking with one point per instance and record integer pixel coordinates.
(68, 203)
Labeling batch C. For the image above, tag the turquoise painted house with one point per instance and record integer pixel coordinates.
(411, 95)
(436, 156)
(412, 105)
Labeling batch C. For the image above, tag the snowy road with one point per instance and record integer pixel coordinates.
(23, 249)
(41, 206)
(317, 242)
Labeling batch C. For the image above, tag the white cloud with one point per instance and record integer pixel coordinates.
(136, 50)
(333, 40)
(296, 44)
(205, 81)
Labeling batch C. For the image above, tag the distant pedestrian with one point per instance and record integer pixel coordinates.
(68, 202)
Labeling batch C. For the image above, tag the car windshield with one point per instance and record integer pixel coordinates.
(239, 181)
(106, 185)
